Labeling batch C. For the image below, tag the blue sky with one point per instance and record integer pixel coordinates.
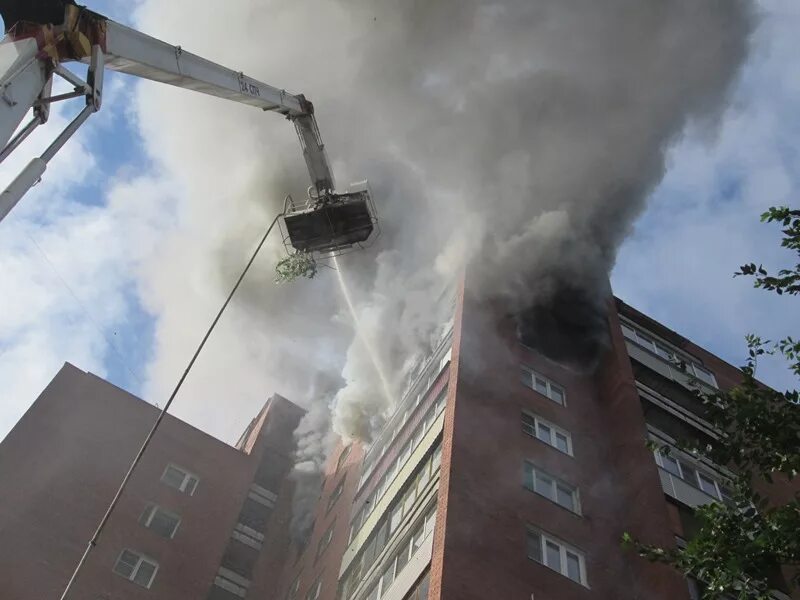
(100, 310)
(703, 220)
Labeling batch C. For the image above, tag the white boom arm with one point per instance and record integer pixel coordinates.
(132, 52)
(34, 51)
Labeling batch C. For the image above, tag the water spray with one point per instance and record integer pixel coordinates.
(373, 355)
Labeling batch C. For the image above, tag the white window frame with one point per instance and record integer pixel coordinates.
(325, 540)
(248, 536)
(530, 471)
(335, 495)
(140, 559)
(232, 582)
(533, 375)
(423, 529)
(151, 510)
(564, 548)
(343, 457)
(698, 471)
(409, 447)
(295, 587)
(315, 590)
(187, 478)
(652, 344)
(537, 423)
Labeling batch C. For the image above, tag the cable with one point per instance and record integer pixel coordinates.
(137, 458)
(86, 313)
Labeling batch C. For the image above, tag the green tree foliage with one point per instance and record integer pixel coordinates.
(740, 544)
(299, 264)
(787, 281)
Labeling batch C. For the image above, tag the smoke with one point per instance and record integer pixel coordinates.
(537, 130)
(520, 138)
(315, 441)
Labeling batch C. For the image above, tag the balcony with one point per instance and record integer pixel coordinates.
(666, 368)
(677, 488)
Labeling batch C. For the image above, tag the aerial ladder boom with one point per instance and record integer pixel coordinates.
(35, 49)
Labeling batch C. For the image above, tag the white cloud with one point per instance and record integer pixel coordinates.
(678, 266)
(66, 259)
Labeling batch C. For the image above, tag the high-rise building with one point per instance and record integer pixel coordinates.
(501, 474)
(200, 520)
(505, 474)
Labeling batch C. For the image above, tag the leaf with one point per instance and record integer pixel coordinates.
(299, 264)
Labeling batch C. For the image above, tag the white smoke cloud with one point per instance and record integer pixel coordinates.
(523, 136)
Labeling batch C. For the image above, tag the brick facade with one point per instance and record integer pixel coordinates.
(62, 463)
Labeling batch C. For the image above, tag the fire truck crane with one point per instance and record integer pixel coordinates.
(42, 36)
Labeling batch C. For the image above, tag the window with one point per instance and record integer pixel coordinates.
(232, 582)
(704, 375)
(420, 591)
(314, 591)
(556, 555)
(628, 332)
(708, 485)
(373, 593)
(426, 422)
(645, 341)
(551, 488)
(446, 359)
(663, 351)
(404, 454)
(254, 514)
(161, 521)
(393, 567)
(695, 477)
(388, 576)
(436, 459)
(545, 431)
(542, 385)
(180, 479)
(391, 520)
(295, 587)
(325, 540)
(248, 536)
(262, 495)
(396, 517)
(355, 525)
(671, 465)
(335, 494)
(343, 456)
(136, 568)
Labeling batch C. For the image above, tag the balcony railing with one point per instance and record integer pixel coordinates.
(666, 368)
(682, 491)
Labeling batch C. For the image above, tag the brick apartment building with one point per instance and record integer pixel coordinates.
(503, 475)
(200, 520)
